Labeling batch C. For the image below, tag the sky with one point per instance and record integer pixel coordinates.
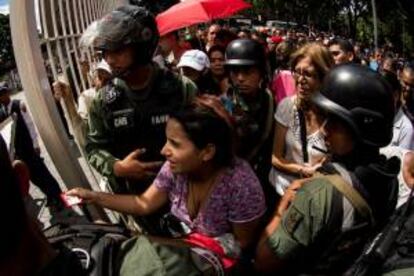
(4, 6)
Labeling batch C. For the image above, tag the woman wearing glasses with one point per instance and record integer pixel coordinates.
(298, 144)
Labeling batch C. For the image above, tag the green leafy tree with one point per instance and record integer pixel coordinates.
(6, 48)
(350, 18)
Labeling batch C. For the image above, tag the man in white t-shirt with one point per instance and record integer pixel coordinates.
(100, 77)
(403, 130)
(406, 175)
(78, 116)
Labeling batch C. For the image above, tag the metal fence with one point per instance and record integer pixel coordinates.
(45, 37)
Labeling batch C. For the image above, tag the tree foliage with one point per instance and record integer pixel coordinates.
(351, 18)
(6, 47)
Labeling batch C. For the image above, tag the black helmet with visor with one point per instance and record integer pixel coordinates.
(128, 26)
(360, 98)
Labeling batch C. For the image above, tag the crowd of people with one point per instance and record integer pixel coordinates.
(266, 147)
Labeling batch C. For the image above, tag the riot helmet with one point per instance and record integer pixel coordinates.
(245, 52)
(128, 26)
(361, 99)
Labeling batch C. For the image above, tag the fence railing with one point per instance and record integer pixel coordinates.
(45, 37)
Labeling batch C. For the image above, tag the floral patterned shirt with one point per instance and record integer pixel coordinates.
(237, 198)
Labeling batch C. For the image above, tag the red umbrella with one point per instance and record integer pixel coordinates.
(191, 12)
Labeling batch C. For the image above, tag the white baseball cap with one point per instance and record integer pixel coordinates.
(103, 65)
(196, 59)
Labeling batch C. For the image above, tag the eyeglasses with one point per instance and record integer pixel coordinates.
(304, 73)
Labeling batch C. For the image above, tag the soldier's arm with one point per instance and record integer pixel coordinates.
(289, 235)
(98, 140)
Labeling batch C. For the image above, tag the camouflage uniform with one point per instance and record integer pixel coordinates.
(122, 120)
(321, 232)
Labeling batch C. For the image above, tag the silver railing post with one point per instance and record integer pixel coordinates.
(61, 42)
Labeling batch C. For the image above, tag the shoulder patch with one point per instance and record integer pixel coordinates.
(111, 93)
(292, 220)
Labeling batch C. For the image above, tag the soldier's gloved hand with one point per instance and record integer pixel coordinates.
(132, 167)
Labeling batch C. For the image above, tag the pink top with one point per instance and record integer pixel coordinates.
(237, 198)
(283, 85)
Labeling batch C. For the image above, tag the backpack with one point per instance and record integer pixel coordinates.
(392, 249)
(94, 245)
(148, 256)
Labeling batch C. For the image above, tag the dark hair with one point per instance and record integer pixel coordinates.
(409, 67)
(11, 202)
(245, 30)
(216, 48)
(344, 44)
(225, 36)
(203, 126)
(284, 50)
(393, 81)
(393, 62)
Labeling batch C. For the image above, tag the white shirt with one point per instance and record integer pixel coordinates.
(403, 131)
(288, 116)
(84, 102)
(29, 122)
(403, 189)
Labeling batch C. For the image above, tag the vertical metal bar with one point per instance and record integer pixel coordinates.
(62, 61)
(375, 22)
(38, 93)
(89, 13)
(75, 12)
(37, 3)
(47, 37)
(65, 39)
(93, 17)
(79, 29)
(94, 10)
(71, 16)
(98, 12)
(82, 15)
(83, 25)
(67, 24)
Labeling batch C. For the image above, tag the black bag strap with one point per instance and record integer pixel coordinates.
(303, 135)
(15, 107)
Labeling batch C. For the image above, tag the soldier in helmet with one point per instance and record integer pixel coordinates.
(251, 105)
(127, 119)
(322, 222)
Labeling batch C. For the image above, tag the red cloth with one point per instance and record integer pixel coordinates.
(276, 39)
(191, 12)
(211, 244)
